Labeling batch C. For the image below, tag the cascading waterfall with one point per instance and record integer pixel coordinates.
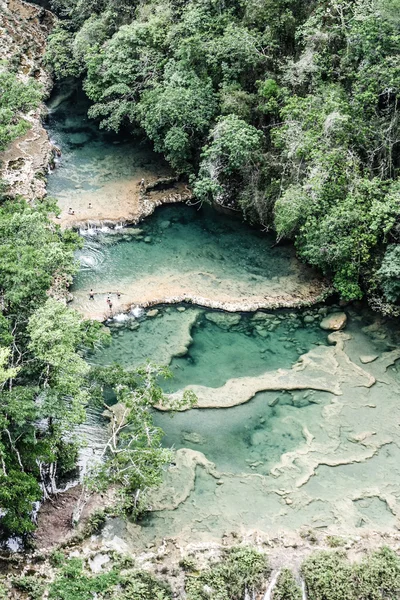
(303, 590)
(272, 584)
(247, 595)
(90, 230)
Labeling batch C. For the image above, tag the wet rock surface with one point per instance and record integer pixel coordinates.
(334, 322)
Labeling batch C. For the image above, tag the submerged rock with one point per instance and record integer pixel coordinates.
(274, 401)
(261, 316)
(223, 320)
(334, 322)
(309, 319)
(193, 437)
(134, 231)
(368, 358)
(153, 313)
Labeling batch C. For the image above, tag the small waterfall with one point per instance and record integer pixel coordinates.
(272, 584)
(247, 595)
(89, 229)
(122, 317)
(303, 589)
(137, 311)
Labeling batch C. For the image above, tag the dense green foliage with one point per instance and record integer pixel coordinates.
(286, 587)
(286, 110)
(74, 583)
(42, 392)
(239, 572)
(241, 569)
(16, 98)
(330, 576)
(134, 452)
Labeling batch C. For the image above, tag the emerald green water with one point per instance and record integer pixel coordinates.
(333, 458)
(212, 353)
(91, 158)
(283, 459)
(183, 252)
(233, 439)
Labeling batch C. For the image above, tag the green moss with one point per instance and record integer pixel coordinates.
(334, 541)
(188, 563)
(30, 585)
(240, 569)
(286, 587)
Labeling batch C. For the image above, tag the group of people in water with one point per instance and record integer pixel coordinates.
(108, 300)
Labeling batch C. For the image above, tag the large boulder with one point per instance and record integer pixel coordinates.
(334, 322)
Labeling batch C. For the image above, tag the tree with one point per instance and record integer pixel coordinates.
(389, 273)
(16, 99)
(234, 152)
(33, 252)
(133, 456)
(176, 114)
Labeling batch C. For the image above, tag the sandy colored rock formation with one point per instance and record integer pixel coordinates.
(23, 31)
(120, 202)
(179, 480)
(334, 322)
(323, 368)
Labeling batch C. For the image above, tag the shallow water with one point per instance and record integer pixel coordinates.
(283, 459)
(212, 354)
(184, 252)
(95, 166)
(201, 351)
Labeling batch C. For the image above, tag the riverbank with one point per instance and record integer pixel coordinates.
(120, 202)
(24, 29)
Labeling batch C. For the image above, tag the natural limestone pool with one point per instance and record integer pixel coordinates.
(295, 427)
(286, 458)
(97, 174)
(182, 253)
